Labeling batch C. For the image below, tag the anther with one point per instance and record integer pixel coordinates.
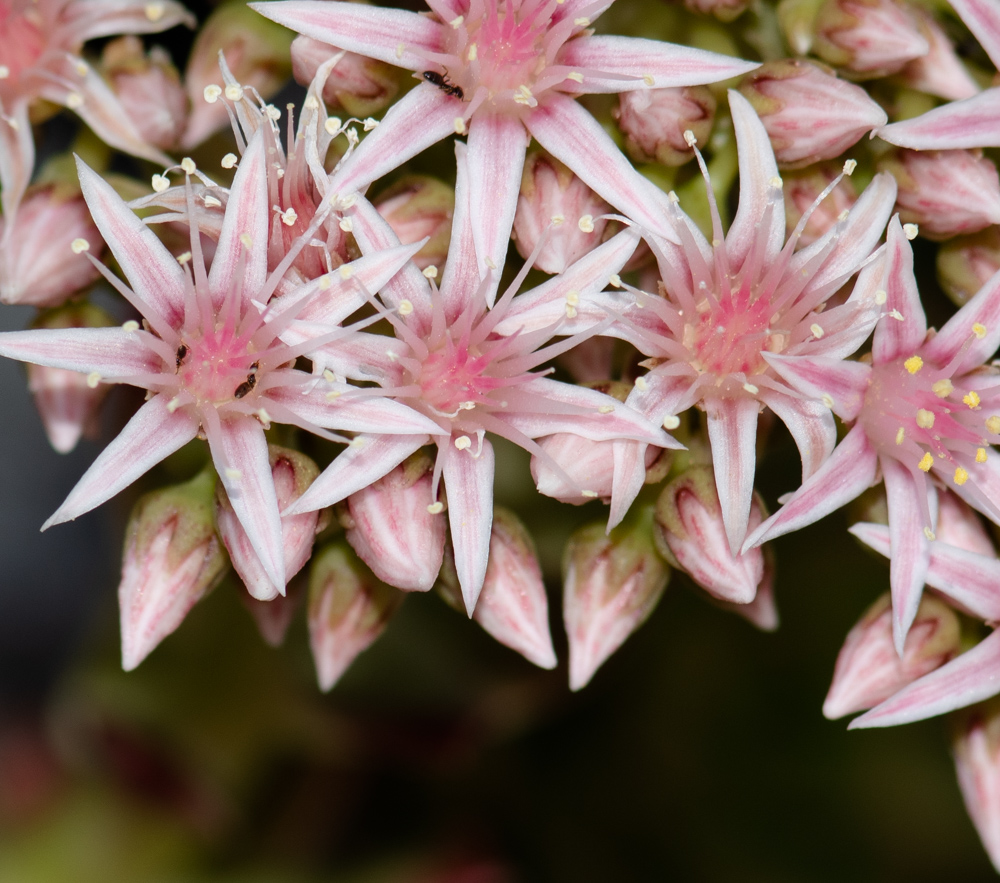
(130, 326)
(370, 123)
(74, 100)
(575, 76)
(925, 419)
(913, 364)
(228, 161)
(961, 476)
(188, 166)
(332, 125)
(459, 126)
(649, 80)
(980, 455)
(827, 400)
(925, 463)
(233, 474)
(247, 240)
(640, 384)
(606, 409)
(979, 330)
(430, 272)
(689, 138)
(405, 308)
(911, 231)
(463, 442)
(436, 508)
(750, 388)
(78, 246)
(234, 91)
(929, 534)
(345, 271)
(586, 224)
(590, 494)
(817, 330)
(993, 425)
(346, 224)
(900, 435)
(971, 398)
(943, 388)
(212, 93)
(849, 167)
(671, 422)
(93, 378)
(880, 297)
(615, 281)
(154, 11)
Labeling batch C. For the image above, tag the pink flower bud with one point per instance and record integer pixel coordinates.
(809, 113)
(172, 559)
(959, 525)
(348, 610)
(690, 533)
(611, 584)
(966, 263)
(66, 402)
(869, 670)
(762, 611)
(940, 72)
(149, 88)
(558, 206)
(869, 37)
(976, 748)
(654, 121)
(43, 259)
(394, 527)
(293, 473)
(418, 206)
(361, 86)
(275, 616)
(723, 10)
(256, 51)
(801, 191)
(945, 192)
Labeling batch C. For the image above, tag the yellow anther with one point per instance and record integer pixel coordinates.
(900, 435)
(463, 442)
(943, 388)
(78, 246)
(750, 388)
(910, 231)
(827, 400)
(850, 166)
(971, 398)
(589, 494)
(925, 419)
(154, 11)
(993, 425)
(160, 183)
(130, 326)
(93, 378)
(980, 455)
(188, 166)
(436, 508)
(345, 271)
(671, 422)
(473, 52)
(228, 161)
(881, 297)
(929, 534)
(649, 79)
(913, 364)
(817, 330)
(640, 384)
(606, 409)
(586, 224)
(575, 76)
(961, 476)
(332, 125)
(925, 463)
(979, 330)
(346, 224)
(430, 272)
(212, 93)
(405, 308)
(459, 126)
(582, 22)
(457, 21)
(234, 91)
(615, 281)
(247, 240)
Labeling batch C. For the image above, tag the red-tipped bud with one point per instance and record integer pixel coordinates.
(256, 51)
(809, 113)
(945, 192)
(940, 72)
(976, 747)
(149, 88)
(397, 528)
(691, 534)
(348, 609)
(43, 259)
(361, 86)
(611, 583)
(964, 264)
(869, 670)
(959, 525)
(416, 207)
(871, 38)
(172, 559)
(802, 189)
(555, 204)
(654, 122)
(293, 473)
(275, 616)
(67, 401)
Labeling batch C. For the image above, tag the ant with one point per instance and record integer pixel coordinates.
(182, 351)
(444, 84)
(247, 386)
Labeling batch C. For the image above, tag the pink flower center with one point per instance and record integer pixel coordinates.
(217, 368)
(454, 379)
(21, 37)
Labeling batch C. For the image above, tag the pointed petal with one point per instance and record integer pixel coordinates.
(152, 434)
(899, 338)
(818, 376)
(967, 578)
(984, 482)
(111, 352)
(758, 172)
(959, 333)
(732, 432)
(981, 17)
(361, 356)
(849, 470)
(497, 144)
(395, 36)
(648, 64)
(971, 677)
(17, 157)
(469, 483)
(364, 461)
(152, 271)
(974, 122)
(811, 425)
(577, 140)
(461, 270)
(419, 119)
(88, 21)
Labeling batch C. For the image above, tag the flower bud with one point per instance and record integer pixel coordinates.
(966, 263)
(654, 122)
(361, 86)
(940, 72)
(797, 20)
(348, 609)
(66, 402)
(959, 525)
(802, 189)
(762, 611)
(945, 192)
(809, 113)
(611, 583)
(417, 206)
(872, 38)
(256, 51)
(275, 616)
(172, 559)
(869, 670)
(43, 259)
(555, 204)
(392, 528)
(690, 533)
(976, 746)
(149, 88)
(292, 473)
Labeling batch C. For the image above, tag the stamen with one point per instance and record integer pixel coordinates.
(925, 463)
(925, 419)
(961, 476)
(971, 399)
(913, 364)
(943, 388)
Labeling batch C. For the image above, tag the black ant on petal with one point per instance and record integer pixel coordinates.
(247, 386)
(444, 84)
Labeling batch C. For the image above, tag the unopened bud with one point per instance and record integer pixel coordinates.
(869, 670)
(654, 122)
(172, 559)
(292, 473)
(416, 207)
(393, 531)
(691, 534)
(149, 88)
(552, 203)
(275, 616)
(966, 263)
(348, 609)
(871, 38)
(762, 611)
(611, 583)
(361, 86)
(809, 113)
(38, 264)
(976, 747)
(801, 190)
(945, 192)
(940, 72)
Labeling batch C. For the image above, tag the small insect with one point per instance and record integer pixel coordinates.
(444, 84)
(247, 386)
(182, 351)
